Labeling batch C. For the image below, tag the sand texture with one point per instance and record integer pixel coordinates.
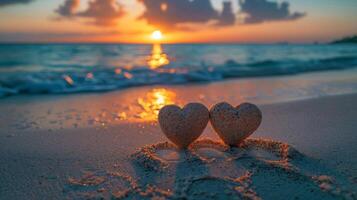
(94, 146)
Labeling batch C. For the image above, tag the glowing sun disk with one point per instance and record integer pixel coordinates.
(156, 35)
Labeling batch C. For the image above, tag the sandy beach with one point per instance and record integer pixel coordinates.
(109, 145)
(178, 100)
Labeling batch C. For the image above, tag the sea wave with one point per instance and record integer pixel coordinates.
(106, 79)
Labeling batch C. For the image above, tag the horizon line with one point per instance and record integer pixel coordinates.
(162, 43)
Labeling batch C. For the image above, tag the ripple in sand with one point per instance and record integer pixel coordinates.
(210, 187)
(270, 165)
(158, 156)
(169, 155)
(258, 169)
(100, 185)
(211, 154)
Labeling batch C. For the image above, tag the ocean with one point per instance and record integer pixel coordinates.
(73, 68)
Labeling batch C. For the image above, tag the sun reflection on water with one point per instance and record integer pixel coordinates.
(157, 58)
(154, 101)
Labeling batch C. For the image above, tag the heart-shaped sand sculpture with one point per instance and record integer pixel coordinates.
(183, 126)
(234, 124)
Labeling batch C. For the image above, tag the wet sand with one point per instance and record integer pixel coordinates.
(109, 145)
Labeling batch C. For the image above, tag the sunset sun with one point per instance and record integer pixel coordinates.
(156, 35)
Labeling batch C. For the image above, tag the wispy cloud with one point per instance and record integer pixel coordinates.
(99, 12)
(258, 11)
(13, 2)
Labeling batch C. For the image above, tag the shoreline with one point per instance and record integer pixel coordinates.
(123, 79)
(49, 144)
(333, 76)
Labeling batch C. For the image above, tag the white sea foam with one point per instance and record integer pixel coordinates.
(39, 69)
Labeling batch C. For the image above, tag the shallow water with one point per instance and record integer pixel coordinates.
(73, 68)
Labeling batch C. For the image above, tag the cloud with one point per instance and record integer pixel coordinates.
(258, 11)
(105, 12)
(180, 14)
(68, 8)
(170, 13)
(227, 16)
(13, 2)
(100, 12)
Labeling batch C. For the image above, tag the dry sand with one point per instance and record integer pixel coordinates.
(109, 145)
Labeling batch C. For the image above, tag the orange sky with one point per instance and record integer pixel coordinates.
(40, 21)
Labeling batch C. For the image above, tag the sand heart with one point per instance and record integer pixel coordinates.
(183, 126)
(232, 124)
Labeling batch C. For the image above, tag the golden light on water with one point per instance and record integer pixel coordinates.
(154, 101)
(128, 75)
(157, 58)
(68, 79)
